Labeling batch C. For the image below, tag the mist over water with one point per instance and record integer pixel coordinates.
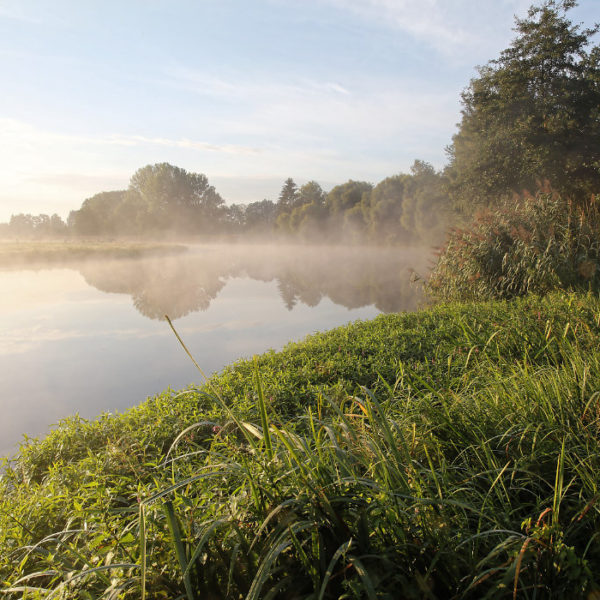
(352, 277)
(90, 337)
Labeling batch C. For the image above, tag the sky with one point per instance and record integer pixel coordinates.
(248, 92)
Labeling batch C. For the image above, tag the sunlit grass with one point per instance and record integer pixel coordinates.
(450, 453)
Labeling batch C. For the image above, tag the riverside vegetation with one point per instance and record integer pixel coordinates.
(531, 244)
(447, 453)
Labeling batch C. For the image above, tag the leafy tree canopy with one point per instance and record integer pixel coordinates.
(98, 215)
(176, 196)
(347, 195)
(532, 115)
(261, 215)
(311, 193)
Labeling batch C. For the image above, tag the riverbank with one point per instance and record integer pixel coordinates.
(21, 253)
(450, 452)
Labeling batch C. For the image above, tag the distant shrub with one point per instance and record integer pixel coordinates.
(532, 244)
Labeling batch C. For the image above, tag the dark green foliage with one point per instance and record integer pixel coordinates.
(465, 467)
(347, 196)
(531, 115)
(533, 244)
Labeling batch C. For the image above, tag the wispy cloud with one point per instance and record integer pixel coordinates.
(21, 340)
(14, 132)
(140, 140)
(236, 85)
(317, 128)
(36, 162)
(29, 339)
(452, 28)
(261, 125)
(308, 111)
(79, 180)
(422, 18)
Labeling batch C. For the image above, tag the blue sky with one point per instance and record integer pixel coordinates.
(248, 92)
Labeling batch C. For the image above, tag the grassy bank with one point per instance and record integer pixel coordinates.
(449, 453)
(23, 253)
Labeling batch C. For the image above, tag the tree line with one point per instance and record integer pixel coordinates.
(530, 119)
(163, 199)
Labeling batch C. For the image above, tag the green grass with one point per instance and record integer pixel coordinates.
(449, 453)
(22, 253)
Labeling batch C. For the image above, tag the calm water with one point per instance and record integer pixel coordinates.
(91, 337)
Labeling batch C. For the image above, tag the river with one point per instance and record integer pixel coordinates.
(90, 337)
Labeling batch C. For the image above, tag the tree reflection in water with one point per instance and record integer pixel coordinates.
(351, 277)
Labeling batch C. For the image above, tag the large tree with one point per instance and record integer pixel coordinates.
(260, 216)
(309, 215)
(177, 198)
(287, 197)
(384, 210)
(346, 207)
(346, 196)
(425, 208)
(532, 115)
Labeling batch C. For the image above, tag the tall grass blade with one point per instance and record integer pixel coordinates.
(365, 578)
(264, 419)
(143, 557)
(329, 572)
(175, 529)
(264, 569)
(558, 485)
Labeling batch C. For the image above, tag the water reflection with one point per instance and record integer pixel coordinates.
(173, 286)
(67, 346)
(350, 277)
